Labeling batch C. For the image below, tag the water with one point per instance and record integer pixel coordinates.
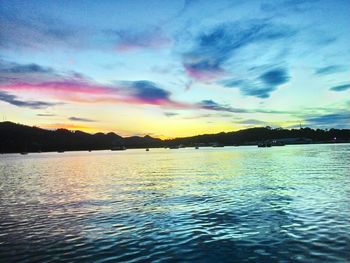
(232, 204)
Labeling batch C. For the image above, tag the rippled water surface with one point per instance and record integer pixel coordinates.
(232, 204)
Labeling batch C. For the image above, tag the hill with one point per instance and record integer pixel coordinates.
(21, 138)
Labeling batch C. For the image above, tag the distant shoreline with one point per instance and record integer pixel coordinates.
(187, 147)
(17, 138)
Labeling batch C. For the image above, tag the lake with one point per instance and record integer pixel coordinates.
(232, 204)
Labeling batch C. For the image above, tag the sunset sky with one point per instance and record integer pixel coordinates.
(175, 68)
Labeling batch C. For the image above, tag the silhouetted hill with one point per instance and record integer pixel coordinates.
(19, 138)
(256, 135)
(22, 138)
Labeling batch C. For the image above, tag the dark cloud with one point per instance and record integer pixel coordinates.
(81, 119)
(12, 99)
(45, 115)
(214, 47)
(341, 87)
(146, 91)
(170, 114)
(262, 93)
(6, 67)
(262, 86)
(212, 105)
(13, 73)
(330, 70)
(275, 77)
(338, 119)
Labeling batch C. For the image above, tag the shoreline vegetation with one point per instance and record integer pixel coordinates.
(18, 138)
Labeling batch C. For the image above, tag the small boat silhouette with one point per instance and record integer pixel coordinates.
(263, 145)
(147, 150)
(174, 147)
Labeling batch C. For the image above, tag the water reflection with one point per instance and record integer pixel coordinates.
(222, 204)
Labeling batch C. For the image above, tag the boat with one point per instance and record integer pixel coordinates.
(24, 153)
(196, 147)
(60, 151)
(264, 144)
(278, 143)
(174, 147)
(147, 150)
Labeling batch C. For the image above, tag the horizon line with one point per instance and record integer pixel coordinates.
(173, 138)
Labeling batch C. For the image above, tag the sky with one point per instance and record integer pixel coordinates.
(175, 68)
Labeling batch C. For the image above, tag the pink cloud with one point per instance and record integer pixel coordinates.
(203, 75)
(85, 92)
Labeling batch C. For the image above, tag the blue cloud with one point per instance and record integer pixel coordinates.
(148, 90)
(261, 86)
(212, 105)
(12, 99)
(275, 77)
(330, 70)
(262, 93)
(7, 67)
(36, 32)
(215, 47)
(341, 87)
(338, 119)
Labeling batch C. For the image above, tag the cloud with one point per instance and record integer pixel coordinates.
(212, 105)
(170, 114)
(7, 67)
(37, 33)
(147, 91)
(330, 70)
(12, 99)
(74, 87)
(213, 48)
(45, 115)
(262, 93)
(81, 119)
(341, 87)
(275, 77)
(66, 89)
(132, 40)
(11, 72)
(261, 86)
(337, 119)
